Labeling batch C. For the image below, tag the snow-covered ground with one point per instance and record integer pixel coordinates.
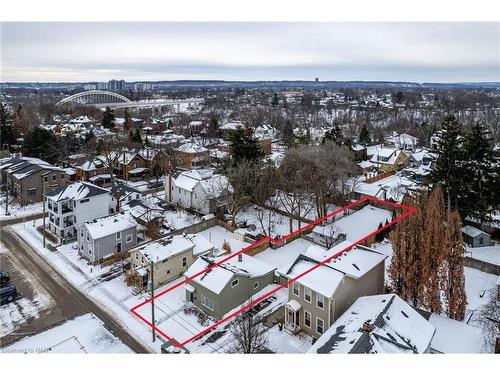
(283, 342)
(16, 210)
(477, 286)
(489, 254)
(280, 224)
(84, 334)
(217, 235)
(113, 295)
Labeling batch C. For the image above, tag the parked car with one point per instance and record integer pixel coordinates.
(155, 184)
(4, 278)
(7, 294)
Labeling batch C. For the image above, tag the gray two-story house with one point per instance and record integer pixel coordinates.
(101, 238)
(319, 297)
(228, 285)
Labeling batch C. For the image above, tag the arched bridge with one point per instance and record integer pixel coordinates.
(102, 99)
(94, 97)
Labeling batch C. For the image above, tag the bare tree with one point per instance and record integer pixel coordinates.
(489, 320)
(249, 335)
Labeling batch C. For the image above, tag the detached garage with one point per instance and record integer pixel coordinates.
(475, 237)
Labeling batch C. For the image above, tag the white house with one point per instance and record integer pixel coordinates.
(72, 205)
(200, 190)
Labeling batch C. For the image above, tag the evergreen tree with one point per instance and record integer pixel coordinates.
(89, 136)
(243, 145)
(213, 126)
(128, 120)
(275, 102)
(8, 134)
(108, 118)
(364, 136)
(288, 136)
(449, 170)
(335, 135)
(481, 178)
(135, 137)
(41, 143)
(452, 278)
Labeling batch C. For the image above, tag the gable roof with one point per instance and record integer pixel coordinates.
(76, 191)
(218, 277)
(169, 246)
(392, 326)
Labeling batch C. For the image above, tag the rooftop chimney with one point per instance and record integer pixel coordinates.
(240, 257)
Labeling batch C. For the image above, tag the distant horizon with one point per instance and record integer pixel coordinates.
(418, 52)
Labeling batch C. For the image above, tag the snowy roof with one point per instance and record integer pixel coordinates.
(22, 167)
(371, 190)
(76, 191)
(366, 164)
(356, 225)
(472, 231)
(453, 336)
(191, 148)
(377, 324)
(106, 226)
(390, 153)
(324, 279)
(166, 247)
(213, 184)
(90, 165)
(218, 277)
(355, 262)
(231, 125)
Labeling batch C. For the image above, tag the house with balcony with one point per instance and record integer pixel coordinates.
(72, 205)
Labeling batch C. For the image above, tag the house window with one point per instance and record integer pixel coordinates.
(296, 290)
(207, 302)
(84, 200)
(235, 282)
(62, 176)
(307, 319)
(129, 238)
(320, 326)
(119, 235)
(307, 294)
(81, 233)
(88, 236)
(320, 301)
(45, 179)
(136, 256)
(118, 247)
(256, 285)
(184, 262)
(54, 177)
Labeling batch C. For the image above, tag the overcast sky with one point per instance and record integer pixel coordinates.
(420, 52)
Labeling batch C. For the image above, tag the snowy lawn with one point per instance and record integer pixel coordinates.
(280, 224)
(84, 334)
(217, 235)
(489, 254)
(284, 342)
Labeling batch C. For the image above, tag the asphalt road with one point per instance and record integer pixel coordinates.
(68, 302)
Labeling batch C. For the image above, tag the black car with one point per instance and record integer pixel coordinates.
(7, 294)
(4, 278)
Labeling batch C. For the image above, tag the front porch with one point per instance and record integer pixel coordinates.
(292, 316)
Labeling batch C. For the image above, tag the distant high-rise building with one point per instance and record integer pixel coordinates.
(102, 85)
(116, 85)
(143, 86)
(89, 86)
(316, 79)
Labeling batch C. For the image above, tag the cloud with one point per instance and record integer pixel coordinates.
(250, 51)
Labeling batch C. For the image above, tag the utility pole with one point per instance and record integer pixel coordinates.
(152, 301)
(43, 200)
(6, 198)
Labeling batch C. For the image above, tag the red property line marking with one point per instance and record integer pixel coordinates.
(408, 210)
